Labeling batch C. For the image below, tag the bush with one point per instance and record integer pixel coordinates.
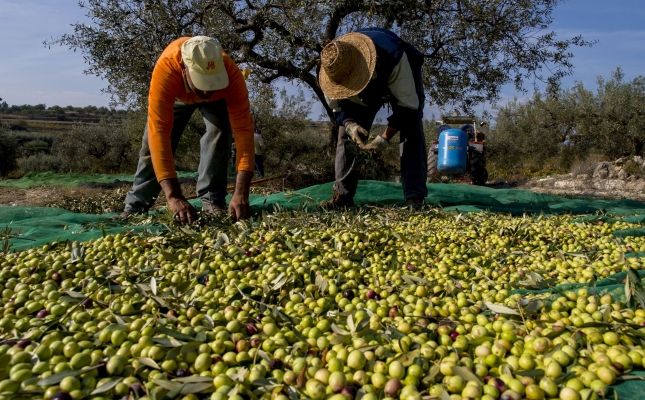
(8, 150)
(40, 163)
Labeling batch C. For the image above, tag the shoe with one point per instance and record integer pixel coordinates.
(414, 204)
(213, 208)
(337, 202)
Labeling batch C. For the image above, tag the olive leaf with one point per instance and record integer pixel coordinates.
(321, 283)
(279, 281)
(149, 362)
(168, 342)
(56, 378)
(533, 373)
(350, 324)
(153, 285)
(634, 292)
(338, 330)
(194, 379)
(466, 374)
(106, 387)
(500, 309)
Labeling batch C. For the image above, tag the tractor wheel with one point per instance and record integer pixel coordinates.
(433, 173)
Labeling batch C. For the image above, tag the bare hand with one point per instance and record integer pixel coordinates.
(239, 207)
(182, 211)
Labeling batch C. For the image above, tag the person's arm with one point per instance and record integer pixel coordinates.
(164, 87)
(239, 111)
(239, 207)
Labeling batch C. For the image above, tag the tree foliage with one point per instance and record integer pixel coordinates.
(572, 124)
(472, 47)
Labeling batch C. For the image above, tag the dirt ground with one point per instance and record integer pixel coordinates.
(98, 200)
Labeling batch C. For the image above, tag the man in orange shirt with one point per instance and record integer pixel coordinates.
(194, 73)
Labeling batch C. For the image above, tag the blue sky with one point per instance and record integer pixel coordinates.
(33, 74)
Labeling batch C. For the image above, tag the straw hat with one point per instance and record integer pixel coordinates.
(202, 56)
(346, 65)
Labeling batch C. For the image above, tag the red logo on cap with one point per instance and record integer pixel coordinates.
(211, 65)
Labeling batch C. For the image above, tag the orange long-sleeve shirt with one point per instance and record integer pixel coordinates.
(167, 86)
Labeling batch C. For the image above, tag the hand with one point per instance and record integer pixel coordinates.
(377, 144)
(357, 133)
(239, 206)
(182, 210)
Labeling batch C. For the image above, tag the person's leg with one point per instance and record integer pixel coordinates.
(413, 153)
(259, 164)
(414, 170)
(215, 149)
(145, 188)
(345, 164)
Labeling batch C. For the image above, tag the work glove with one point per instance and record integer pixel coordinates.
(358, 134)
(377, 144)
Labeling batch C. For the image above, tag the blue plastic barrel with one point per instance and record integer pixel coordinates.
(452, 152)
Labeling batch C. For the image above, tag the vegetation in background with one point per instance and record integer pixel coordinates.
(558, 129)
(471, 48)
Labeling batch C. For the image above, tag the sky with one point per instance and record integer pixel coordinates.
(32, 74)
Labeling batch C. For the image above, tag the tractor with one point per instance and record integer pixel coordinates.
(474, 149)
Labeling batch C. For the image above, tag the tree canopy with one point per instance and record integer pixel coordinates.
(472, 47)
(573, 124)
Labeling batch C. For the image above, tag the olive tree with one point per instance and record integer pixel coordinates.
(471, 47)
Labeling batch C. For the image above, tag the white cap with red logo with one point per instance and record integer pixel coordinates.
(202, 56)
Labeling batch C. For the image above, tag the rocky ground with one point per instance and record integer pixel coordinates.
(621, 179)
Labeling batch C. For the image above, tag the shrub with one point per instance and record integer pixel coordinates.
(40, 163)
(8, 149)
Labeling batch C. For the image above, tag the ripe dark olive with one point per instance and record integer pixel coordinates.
(56, 278)
(179, 373)
(22, 343)
(137, 389)
(349, 391)
(372, 295)
(276, 364)
(42, 314)
(251, 329)
(348, 294)
(62, 396)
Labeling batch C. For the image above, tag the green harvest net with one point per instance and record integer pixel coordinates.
(34, 226)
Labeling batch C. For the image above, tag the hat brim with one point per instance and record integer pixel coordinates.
(212, 81)
(363, 69)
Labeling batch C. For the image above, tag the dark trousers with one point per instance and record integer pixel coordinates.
(259, 164)
(215, 148)
(412, 154)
